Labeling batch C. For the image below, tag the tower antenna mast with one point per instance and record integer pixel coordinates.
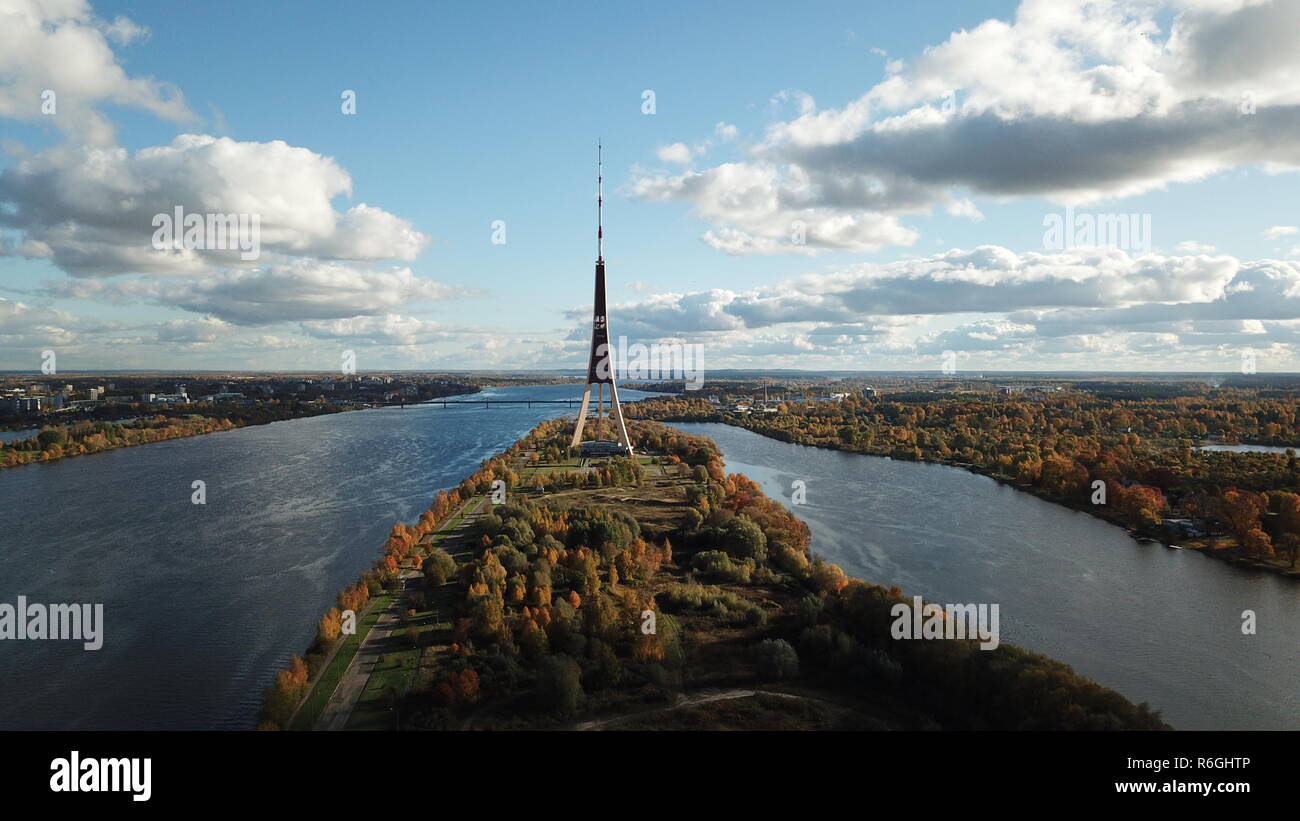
(600, 202)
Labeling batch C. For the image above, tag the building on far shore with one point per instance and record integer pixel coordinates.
(1185, 528)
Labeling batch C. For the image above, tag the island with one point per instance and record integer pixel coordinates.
(555, 591)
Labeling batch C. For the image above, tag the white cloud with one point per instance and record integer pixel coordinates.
(1279, 231)
(988, 279)
(60, 46)
(88, 205)
(296, 291)
(388, 329)
(1074, 100)
(802, 100)
(194, 331)
(760, 210)
(1088, 310)
(964, 208)
(91, 208)
(679, 153)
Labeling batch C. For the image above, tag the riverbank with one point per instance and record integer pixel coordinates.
(1230, 554)
(55, 442)
(1223, 549)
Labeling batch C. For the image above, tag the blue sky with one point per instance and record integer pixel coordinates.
(764, 114)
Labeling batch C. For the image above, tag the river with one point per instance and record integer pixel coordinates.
(203, 603)
(1157, 624)
(15, 435)
(1246, 448)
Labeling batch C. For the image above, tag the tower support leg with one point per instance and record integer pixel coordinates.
(582, 417)
(617, 412)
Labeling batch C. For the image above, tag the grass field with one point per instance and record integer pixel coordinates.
(391, 678)
(529, 469)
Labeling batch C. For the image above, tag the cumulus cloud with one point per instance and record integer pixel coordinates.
(388, 329)
(91, 209)
(297, 291)
(23, 325)
(26, 330)
(679, 153)
(194, 331)
(1138, 312)
(982, 335)
(988, 279)
(761, 210)
(60, 46)
(1258, 291)
(1074, 100)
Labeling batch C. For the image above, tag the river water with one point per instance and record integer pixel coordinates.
(1157, 624)
(203, 603)
(1246, 448)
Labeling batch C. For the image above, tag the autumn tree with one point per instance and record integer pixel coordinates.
(1240, 511)
(330, 625)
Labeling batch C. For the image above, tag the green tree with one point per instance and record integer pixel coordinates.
(744, 539)
(559, 685)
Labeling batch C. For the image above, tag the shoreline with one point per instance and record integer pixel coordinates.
(40, 459)
(1231, 555)
(218, 427)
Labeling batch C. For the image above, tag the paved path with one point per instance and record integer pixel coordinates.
(338, 710)
(336, 713)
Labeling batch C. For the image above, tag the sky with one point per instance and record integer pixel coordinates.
(1049, 185)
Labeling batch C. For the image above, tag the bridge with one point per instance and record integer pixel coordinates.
(490, 402)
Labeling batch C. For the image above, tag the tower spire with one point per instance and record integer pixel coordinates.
(600, 366)
(600, 201)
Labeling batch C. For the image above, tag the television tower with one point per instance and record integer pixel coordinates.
(600, 370)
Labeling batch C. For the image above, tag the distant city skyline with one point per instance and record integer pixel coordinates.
(849, 186)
